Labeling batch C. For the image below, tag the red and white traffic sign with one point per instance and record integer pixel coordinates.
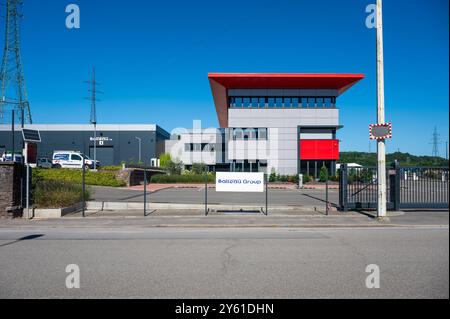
(380, 131)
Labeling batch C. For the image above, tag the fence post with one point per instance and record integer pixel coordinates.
(83, 188)
(397, 186)
(206, 193)
(326, 195)
(267, 194)
(343, 181)
(145, 191)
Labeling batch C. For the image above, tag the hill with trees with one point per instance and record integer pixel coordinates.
(405, 159)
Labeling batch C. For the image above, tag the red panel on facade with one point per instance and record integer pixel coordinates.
(319, 150)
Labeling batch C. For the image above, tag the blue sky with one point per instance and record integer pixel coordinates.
(153, 57)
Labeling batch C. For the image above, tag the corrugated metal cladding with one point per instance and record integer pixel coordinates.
(115, 143)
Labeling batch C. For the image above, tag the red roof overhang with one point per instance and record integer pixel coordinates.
(222, 82)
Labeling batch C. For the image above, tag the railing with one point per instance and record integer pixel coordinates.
(407, 187)
(423, 187)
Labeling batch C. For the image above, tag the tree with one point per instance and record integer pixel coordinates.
(273, 176)
(323, 176)
(165, 159)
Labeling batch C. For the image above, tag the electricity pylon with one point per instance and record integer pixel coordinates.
(13, 95)
(93, 119)
(435, 142)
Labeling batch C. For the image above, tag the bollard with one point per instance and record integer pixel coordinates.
(300, 181)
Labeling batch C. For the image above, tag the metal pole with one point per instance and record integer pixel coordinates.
(326, 195)
(267, 194)
(95, 147)
(83, 188)
(381, 149)
(27, 203)
(206, 193)
(145, 191)
(12, 135)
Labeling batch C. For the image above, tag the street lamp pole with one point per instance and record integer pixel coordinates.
(140, 141)
(381, 149)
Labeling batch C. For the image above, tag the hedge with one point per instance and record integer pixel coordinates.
(181, 179)
(110, 168)
(100, 178)
(57, 194)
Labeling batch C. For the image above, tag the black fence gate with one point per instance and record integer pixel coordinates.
(407, 187)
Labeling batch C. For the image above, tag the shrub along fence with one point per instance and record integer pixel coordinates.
(57, 194)
(100, 178)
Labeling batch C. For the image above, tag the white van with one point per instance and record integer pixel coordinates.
(71, 159)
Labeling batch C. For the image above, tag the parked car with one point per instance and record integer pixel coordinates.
(44, 163)
(71, 159)
(8, 158)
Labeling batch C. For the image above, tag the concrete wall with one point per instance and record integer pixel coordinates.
(282, 118)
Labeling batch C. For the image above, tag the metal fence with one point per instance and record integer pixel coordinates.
(423, 187)
(407, 187)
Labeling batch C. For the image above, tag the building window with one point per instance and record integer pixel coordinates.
(255, 102)
(197, 147)
(279, 102)
(237, 134)
(262, 102)
(287, 102)
(304, 102)
(262, 134)
(238, 102)
(319, 101)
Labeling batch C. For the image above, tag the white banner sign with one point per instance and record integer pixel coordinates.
(240, 182)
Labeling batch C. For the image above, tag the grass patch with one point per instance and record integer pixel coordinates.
(101, 178)
(57, 194)
(181, 179)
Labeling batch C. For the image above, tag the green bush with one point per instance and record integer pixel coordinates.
(293, 179)
(198, 168)
(182, 179)
(101, 178)
(111, 168)
(173, 168)
(57, 194)
(307, 178)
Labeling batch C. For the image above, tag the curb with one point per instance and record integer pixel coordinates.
(96, 205)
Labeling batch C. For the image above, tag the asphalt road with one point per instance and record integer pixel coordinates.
(307, 197)
(224, 263)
